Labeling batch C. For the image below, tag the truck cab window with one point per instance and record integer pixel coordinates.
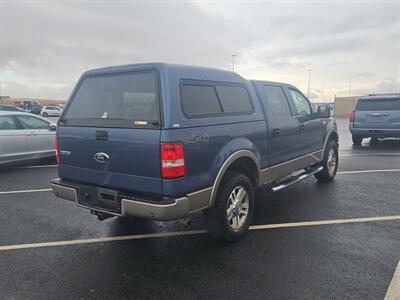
(301, 103)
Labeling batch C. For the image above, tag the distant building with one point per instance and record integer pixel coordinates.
(344, 106)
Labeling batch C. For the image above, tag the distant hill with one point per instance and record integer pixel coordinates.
(20, 101)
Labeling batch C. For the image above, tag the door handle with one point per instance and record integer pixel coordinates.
(275, 132)
(31, 133)
(301, 127)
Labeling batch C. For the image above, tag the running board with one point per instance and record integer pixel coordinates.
(296, 179)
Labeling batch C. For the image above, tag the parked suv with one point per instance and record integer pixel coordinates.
(162, 141)
(375, 116)
(36, 109)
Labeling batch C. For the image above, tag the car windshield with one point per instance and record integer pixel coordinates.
(131, 98)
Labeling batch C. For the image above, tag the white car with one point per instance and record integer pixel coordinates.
(25, 137)
(51, 111)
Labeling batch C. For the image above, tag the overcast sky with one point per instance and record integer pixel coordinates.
(46, 45)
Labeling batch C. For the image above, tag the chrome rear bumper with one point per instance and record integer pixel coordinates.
(173, 210)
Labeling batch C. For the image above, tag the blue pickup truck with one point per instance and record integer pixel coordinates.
(162, 141)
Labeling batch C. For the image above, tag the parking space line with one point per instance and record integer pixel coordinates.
(25, 191)
(338, 173)
(368, 171)
(393, 291)
(369, 154)
(326, 222)
(192, 232)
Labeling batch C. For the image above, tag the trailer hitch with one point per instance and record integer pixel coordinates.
(101, 216)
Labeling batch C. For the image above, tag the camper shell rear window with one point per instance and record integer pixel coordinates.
(116, 100)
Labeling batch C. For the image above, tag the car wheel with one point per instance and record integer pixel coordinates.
(330, 163)
(45, 114)
(231, 215)
(357, 140)
(374, 141)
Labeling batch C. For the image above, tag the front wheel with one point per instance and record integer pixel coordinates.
(330, 163)
(232, 213)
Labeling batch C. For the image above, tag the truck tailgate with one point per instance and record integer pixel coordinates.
(129, 159)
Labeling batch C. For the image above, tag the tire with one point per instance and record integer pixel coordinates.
(218, 225)
(330, 163)
(45, 114)
(357, 140)
(374, 141)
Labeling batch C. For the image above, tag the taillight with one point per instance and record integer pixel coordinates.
(57, 152)
(352, 116)
(172, 160)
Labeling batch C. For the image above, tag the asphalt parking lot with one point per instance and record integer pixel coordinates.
(311, 241)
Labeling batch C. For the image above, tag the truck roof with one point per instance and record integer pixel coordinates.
(271, 82)
(175, 71)
(380, 96)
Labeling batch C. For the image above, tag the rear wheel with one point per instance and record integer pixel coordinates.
(232, 213)
(374, 141)
(329, 163)
(356, 140)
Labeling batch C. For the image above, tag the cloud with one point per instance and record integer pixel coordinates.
(313, 95)
(45, 45)
(56, 42)
(389, 85)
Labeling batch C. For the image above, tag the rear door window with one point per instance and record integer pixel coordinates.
(29, 122)
(116, 100)
(277, 101)
(200, 100)
(7, 123)
(378, 104)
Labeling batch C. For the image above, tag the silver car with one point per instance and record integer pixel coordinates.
(25, 137)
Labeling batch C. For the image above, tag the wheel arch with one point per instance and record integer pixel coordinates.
(244, 161)
(331, 135)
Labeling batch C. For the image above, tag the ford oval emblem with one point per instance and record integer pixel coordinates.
(101, 157)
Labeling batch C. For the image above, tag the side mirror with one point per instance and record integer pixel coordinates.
(52, 127)
(324, 111)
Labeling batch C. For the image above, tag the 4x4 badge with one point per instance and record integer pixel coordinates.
(198, 138)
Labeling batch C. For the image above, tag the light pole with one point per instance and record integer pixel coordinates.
(233, 62)
(1, 97)
(309, 77)
(323, 84)
(350, 87)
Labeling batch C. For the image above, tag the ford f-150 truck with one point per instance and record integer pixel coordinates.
(162, 141)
